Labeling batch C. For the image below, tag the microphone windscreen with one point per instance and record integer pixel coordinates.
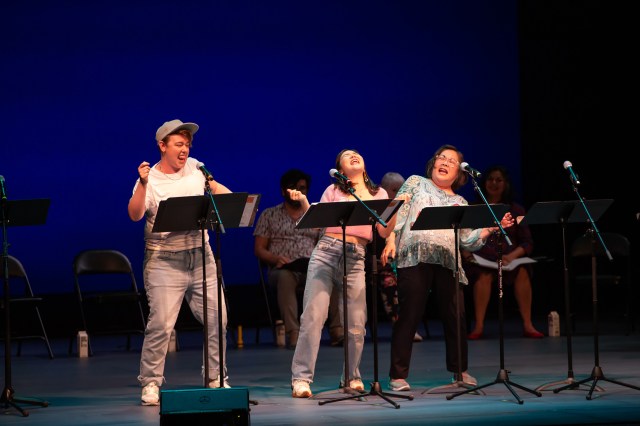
(567, 164)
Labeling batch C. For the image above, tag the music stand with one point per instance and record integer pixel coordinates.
(564, 212)
(16, 213)
(343, 214)
(456, 217)
(584, 215)
(190, 213)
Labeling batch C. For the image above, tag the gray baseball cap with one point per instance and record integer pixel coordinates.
(173, 126)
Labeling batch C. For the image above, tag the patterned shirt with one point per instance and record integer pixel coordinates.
(435, 246)
(284, 240)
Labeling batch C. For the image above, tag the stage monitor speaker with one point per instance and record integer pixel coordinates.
(218, 406)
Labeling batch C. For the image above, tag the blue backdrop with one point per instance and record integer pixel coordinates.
(272, 84)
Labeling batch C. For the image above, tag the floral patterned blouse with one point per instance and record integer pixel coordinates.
(433, 245)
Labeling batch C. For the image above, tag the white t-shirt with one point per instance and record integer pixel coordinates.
(188, 182)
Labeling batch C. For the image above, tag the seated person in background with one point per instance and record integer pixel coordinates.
(388, 284)
(286, 251)
(497, 188)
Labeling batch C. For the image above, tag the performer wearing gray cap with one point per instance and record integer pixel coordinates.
(173, 260)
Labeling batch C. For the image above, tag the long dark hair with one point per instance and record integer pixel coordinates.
(371, 186)
(462, 177)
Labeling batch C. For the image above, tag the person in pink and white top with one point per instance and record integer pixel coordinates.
(326, 271)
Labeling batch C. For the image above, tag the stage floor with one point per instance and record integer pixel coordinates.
(103, 390)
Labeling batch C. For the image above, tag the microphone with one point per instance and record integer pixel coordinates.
(207, 174)
(569, 167)
(336, 174)
(467, 168)
(2, 190)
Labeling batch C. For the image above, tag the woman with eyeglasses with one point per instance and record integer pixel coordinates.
(425, 262)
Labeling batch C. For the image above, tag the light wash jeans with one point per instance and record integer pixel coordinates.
(168, 278)
(325, 274)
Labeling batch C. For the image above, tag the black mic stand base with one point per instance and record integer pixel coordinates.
(352, 394)
(569, 383)
(502, 377)
(376, 390)
(596, 374)
(7, 399)
(455, 385)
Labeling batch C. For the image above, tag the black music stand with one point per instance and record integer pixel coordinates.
(456, 217)
(343, 214)
(478, 219)
(178, 214)
(584, 213)
(16, 213)
(564, 212)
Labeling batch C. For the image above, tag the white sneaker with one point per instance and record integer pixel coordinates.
(400, 385)
(300, 389)
(216, 383)
(151, 394)
(417, 337)
(467, 379)
(355, 384)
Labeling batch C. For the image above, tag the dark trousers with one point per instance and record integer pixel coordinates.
(414, 285)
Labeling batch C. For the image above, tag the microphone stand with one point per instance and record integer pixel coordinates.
(218, 227)
(596, 372)
(8, 394)
(503, 374)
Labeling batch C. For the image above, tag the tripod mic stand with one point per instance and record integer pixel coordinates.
(456, 217)
(596, 373)
(376, 389)
(193, 213)
(563, 212)
(22, 212)
(503, 374)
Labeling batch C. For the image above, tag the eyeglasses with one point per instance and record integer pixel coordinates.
(452, 161)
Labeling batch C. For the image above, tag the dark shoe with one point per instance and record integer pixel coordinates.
(533, 334)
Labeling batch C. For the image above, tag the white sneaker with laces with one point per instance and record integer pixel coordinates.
(300, 389)
(150, 394)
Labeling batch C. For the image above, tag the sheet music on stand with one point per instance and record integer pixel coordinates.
(471, 216)
(546, 212)
(27, 212)
(322, 215)
(237, 210)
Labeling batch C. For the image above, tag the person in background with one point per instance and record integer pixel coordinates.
(426, 261)
(327, 271)
(498, 189)
(286, 250)
(173, 260)
(391, 182)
